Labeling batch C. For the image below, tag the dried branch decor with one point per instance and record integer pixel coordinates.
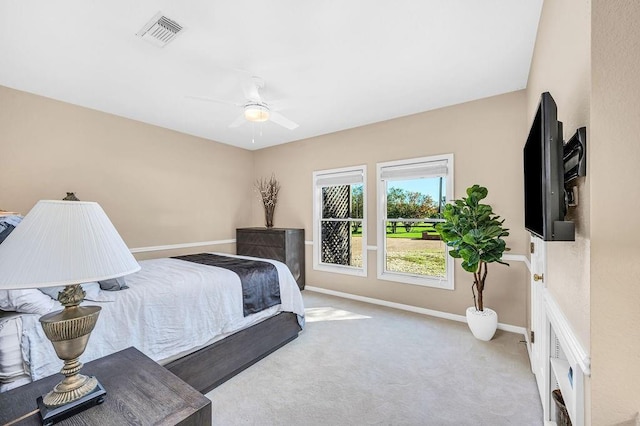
(268, 190)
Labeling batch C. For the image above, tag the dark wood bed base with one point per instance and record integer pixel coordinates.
(213, 365)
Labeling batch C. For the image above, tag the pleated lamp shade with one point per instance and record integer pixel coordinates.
(63, 242)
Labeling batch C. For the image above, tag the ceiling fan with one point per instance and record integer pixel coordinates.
(255, 108)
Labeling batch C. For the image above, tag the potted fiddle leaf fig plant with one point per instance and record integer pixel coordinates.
(474, 234)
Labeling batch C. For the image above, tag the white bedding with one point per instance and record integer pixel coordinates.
(171, 308)
(13, 372)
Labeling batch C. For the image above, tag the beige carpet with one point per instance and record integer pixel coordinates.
(361, 364)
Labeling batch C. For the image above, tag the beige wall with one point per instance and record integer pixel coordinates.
(157, 186)
(587, 56)
(615, 203)
(486, 138)
(561, 66)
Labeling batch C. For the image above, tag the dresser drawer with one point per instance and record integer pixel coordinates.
(275, 253)
(271, 239)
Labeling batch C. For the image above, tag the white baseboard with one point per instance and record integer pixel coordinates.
(424, 311)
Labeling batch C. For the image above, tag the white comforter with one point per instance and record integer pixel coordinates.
(172, 307)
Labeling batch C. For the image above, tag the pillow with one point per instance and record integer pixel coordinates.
(91, 290)
(114, 284)
(30, 301)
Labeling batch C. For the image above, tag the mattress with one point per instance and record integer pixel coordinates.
(170, 309)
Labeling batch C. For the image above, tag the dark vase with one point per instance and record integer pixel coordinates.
(268, 215)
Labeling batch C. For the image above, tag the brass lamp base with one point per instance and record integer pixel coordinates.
(69, 331)
(52, 415)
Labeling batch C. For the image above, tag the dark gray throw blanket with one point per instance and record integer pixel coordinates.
(260, 283)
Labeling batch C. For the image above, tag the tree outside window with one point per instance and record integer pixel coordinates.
(413, 193)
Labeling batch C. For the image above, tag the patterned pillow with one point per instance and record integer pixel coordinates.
(114, 284)
(8, 224)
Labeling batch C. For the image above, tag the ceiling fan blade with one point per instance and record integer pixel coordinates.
(280, 119)
(206, 99)
(239, 121)
(279, 104)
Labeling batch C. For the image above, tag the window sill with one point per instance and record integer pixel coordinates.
(443, 284)
(344, 270)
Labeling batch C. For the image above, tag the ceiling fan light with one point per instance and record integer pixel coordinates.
(256, 113)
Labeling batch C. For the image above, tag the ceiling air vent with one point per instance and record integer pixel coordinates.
(160, 30)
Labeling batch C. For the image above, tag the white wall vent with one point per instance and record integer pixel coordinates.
(160, 30)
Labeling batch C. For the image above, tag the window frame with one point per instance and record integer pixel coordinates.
(446, 283)
(317, 218)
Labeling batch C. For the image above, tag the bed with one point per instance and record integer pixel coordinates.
(190, 317)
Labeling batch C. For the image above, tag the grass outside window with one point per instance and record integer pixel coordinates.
(410, 252)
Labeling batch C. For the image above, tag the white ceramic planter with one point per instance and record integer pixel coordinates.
(483, 324)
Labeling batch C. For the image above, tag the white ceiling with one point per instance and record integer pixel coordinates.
(329, 65)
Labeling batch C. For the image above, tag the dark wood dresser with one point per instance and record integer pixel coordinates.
(139, 392)
(283, 244)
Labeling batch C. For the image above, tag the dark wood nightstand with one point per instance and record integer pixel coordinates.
(139, 391)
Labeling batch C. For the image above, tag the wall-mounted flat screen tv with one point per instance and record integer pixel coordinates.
(544, 197)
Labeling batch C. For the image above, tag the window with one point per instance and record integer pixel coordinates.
(339, 225)
(411, 196)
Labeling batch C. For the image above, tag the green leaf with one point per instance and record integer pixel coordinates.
(472, 231)
(469, 266)
(493, 231)
(469, 238)
(455, 254)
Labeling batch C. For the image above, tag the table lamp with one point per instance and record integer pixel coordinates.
(66, 243)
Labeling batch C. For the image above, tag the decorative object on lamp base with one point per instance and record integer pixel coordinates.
(71, 196)
(268, 190)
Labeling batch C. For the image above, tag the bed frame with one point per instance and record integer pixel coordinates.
(213, 365)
